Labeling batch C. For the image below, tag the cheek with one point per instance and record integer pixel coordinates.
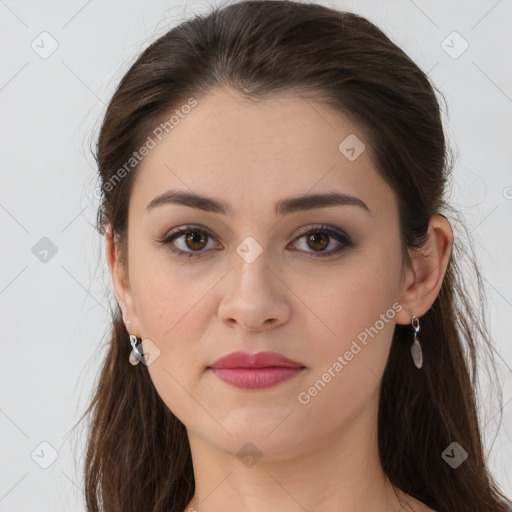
(173, 312)
(348, 365)
(174, 318)
(355, 313)
(167, 298)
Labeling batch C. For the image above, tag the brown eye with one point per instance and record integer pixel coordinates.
(188, 241)
(318, 241)
(196, 240)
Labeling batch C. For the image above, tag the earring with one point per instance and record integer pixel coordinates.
(417, 355)
(135, 355)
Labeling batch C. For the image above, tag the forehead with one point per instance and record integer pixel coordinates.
(252, 154)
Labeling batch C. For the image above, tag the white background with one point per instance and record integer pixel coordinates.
(54, 315)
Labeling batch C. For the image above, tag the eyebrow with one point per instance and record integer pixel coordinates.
(282, 207)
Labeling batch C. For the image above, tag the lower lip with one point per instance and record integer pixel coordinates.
(255, 378)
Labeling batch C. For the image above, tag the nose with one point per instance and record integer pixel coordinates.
(255, 298)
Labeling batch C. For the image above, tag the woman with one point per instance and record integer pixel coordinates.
(273, 176)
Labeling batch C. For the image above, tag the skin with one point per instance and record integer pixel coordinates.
(322, 455)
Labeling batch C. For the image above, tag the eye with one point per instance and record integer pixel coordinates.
(319, 238)
(195, 239)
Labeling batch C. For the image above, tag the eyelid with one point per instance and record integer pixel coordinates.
(181, 231)
(331, 231)
(320, 227)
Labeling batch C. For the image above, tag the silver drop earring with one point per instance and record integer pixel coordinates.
(135, 355)
(416, 353)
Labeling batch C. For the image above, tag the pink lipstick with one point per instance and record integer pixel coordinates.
(255, 371)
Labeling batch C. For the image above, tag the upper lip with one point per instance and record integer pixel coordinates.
(243, 359)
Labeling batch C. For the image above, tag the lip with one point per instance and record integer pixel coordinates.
(255, 371)
(243, 359)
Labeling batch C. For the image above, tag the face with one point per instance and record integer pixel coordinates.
(254, 279)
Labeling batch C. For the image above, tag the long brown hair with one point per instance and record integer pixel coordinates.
(138, 456)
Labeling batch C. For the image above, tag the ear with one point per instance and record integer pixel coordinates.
(121, 284)
(423, 280)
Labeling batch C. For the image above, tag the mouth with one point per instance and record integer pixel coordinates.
(255, 371)
(257, 378)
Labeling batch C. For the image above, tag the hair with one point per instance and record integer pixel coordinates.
(138, 455)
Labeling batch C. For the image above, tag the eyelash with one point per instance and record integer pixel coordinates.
(338, 235)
